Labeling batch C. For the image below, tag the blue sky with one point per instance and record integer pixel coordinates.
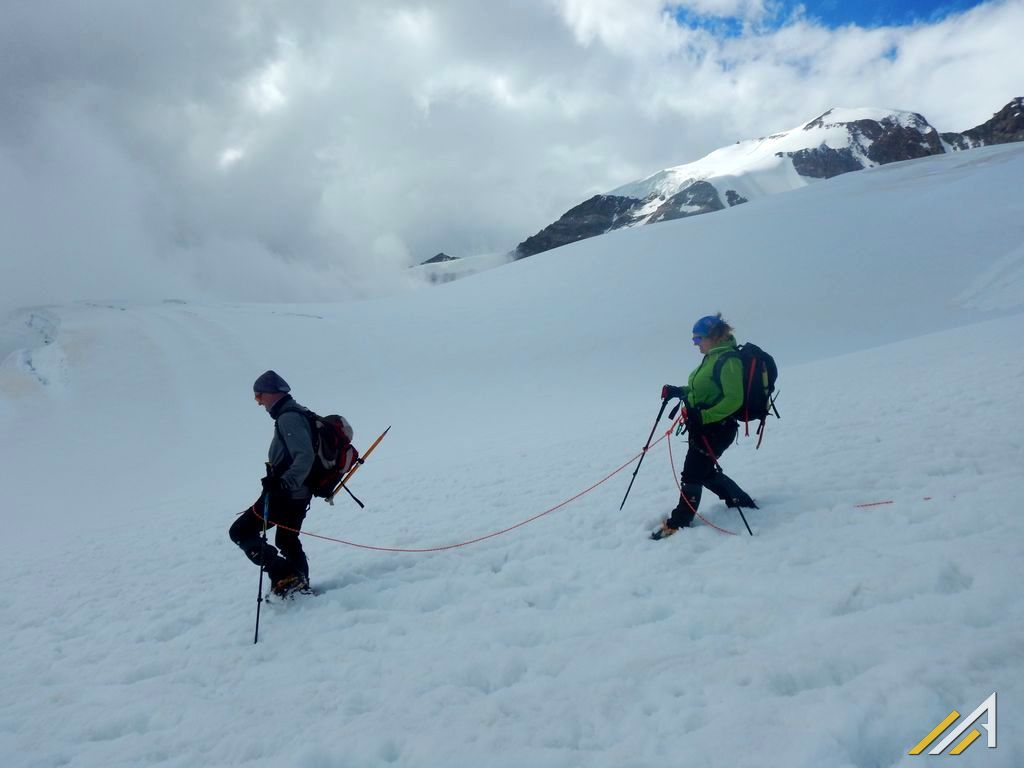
(875, 13)
(839, 13)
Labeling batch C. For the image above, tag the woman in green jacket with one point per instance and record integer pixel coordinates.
(711, 399)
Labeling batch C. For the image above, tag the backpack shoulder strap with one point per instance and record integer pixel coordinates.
(280, 439)
(310, 417)
(716, 372)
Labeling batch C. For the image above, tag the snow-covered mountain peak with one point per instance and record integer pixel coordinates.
(839, 128)
(840, 140)
(838, 116)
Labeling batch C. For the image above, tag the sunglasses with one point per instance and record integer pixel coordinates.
(697, 340)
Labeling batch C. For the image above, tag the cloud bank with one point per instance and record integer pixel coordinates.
(306, 151)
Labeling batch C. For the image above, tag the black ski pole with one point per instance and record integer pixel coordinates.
(738, 509)
(644, 453)
(263, 555)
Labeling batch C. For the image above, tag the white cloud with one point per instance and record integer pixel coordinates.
(416, 25)
(266, 92)
(347, 137)
(623, 27)
(229, 156)
(748, 10)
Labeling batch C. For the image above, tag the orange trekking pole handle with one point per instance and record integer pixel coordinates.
(352, 471)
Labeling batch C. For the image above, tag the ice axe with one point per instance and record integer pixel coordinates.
(352, 471)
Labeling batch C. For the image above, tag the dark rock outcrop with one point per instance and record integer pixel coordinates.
(891, 143)
(732, 197)
(824, 162)
(699, 197)
(880, 141)
(439, 259)
(599, 214)
(1005, 126)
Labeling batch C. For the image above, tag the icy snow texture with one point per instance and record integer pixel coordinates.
(837, 636)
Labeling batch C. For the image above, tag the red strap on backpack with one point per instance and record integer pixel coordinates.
(746, 398)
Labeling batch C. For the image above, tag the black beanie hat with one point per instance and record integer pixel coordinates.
(270, 382)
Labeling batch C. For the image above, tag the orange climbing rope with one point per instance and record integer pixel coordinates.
(444, 547)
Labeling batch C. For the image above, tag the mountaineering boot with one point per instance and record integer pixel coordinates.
(689, 500)
(725, 488)
(741, 502)
(289, 585)
(663, 531)
(682, 515)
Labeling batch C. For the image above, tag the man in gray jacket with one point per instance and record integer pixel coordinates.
(290, 458)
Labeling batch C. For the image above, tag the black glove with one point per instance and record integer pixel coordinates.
(271, 485)
(694, 417)
(668, 392)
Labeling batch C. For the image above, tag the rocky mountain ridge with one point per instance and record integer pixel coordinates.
(838, 141)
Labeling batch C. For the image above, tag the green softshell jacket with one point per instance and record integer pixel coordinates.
(717, 402)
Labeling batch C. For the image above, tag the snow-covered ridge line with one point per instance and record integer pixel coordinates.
(841, 140)
(762, 155)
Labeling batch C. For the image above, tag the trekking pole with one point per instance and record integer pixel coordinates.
(359, 462)
(644, 452)
(740, 510)
(263, 555)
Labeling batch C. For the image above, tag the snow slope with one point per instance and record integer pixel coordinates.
(836, 636)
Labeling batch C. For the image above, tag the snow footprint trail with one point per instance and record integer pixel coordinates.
(1001, 287)
(573, 640)
(27, 329)
(101, 627)
(30, 355)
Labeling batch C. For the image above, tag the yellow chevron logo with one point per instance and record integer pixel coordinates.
(988, 707)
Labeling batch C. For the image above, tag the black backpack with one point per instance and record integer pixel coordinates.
(759, 376)
(332, 446)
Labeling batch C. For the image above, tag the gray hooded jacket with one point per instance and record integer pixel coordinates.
(291, 451)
